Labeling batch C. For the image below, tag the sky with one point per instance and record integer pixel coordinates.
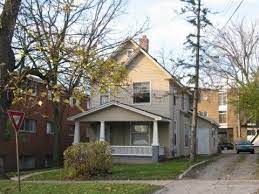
(167, 30)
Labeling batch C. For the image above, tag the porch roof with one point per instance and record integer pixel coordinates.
(131, 109)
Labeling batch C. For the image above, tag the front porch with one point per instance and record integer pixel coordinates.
(134, 137)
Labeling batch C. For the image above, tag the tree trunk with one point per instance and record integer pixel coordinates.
(7, 61)
(57, 124)
(196, 89)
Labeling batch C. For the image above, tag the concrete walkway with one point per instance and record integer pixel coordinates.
(22, 177)
(151, 182)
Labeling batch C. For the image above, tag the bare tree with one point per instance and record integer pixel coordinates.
(67, 43)
(234, 54)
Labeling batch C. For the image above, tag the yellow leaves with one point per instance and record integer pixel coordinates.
(43, 94)
(66, 101)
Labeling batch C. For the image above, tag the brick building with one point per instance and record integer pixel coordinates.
(36, 136)
(215, 105)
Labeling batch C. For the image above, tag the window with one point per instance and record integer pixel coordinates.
(251, 132)
(141, 92)
(73, 101)
(34, 89)
(222, 98)
(71, 129)
(29, 125)
(104, 99)
(130, 52)
(174, 99)
(27, 162)
(49, 94)
(49, 128)
(140, 134)
(88, 104)
(204, 97)
(174, 139)
(182, 102)
(48, 161)
(186, 135)
(222, 117)
(203, 113)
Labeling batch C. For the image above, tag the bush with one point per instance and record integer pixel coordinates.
(87, 160)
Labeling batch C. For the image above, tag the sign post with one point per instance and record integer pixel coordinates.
(17, 118)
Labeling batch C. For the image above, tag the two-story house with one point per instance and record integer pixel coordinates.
(147, 119)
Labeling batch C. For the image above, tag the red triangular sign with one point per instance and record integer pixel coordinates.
(17, 118)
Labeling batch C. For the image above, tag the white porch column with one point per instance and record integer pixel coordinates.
(77, 133)
(155, 134)
(102, 131)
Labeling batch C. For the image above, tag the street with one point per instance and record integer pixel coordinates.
(232, 173)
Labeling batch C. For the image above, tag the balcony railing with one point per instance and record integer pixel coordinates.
(135, 150)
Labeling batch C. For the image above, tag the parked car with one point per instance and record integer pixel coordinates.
(226, 146)
(245, 146)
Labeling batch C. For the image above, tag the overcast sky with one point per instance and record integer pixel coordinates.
(168, 30)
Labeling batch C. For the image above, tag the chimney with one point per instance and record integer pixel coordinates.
(144, 42)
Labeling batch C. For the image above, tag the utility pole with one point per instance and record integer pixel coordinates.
(196, 88)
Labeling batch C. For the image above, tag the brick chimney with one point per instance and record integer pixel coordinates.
(144, 42)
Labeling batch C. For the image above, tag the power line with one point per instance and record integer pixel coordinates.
(228, 7)
(239, 5)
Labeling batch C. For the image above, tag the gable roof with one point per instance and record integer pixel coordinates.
(121, 105)
(206, 119)
(141, 50)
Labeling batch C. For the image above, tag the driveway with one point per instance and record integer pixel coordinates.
(230, 167)
(230, 174)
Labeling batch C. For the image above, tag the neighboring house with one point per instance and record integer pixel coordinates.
(36, 135)
(146, 120)
(215, 104)
(207, 136)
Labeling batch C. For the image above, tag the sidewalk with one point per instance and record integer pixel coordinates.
(151, 182)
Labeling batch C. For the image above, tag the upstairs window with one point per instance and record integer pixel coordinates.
(222, 117)
(204, 97)
(73, 101)
(203, 113)
(141, 92)
(130, 52)
(104, 99)
(222, 98)
(29, 125)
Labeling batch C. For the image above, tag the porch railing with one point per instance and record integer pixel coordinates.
(135, 150)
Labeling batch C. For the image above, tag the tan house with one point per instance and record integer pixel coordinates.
(147, 120)
(215, 104)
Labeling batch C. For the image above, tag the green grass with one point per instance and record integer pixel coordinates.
(9, 187)
(160, 171)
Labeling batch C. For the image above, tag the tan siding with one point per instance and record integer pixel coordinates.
(143, 69)
(115, 114)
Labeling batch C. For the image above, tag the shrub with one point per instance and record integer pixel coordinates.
(87, 160)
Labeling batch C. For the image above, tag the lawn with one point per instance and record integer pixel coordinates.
(160, 171)
(7, 187)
